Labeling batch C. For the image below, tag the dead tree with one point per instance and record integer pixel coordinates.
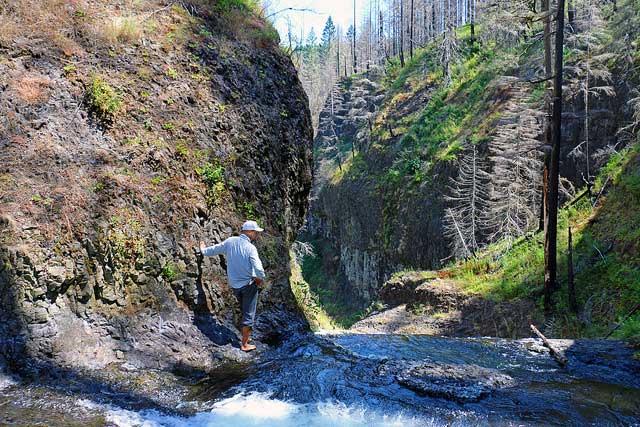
(515, 154)
(551, 230)
(449, 46)
(465, 221)
(401, 26)
(588, 76)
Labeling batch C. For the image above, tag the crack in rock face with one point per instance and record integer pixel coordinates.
(462, 383)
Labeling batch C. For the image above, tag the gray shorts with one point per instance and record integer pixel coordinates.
(247, 296)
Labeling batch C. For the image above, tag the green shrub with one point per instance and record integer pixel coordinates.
(242, 5)
(212, 174)
(103, 99)
(169, 271)
(249, 211)
(171, 72)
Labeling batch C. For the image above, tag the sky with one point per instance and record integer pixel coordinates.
(341, 11)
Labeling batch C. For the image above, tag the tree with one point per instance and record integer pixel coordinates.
(411, 33)
(401, 33)
(351, 35)
(548, 74)
(515, 154)
(588, 75)
(328, 35)
(355, 58)
(449, 46)
(312, 39)
(466, 221)
(551, 230)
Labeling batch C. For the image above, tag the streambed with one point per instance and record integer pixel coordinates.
(371, 380)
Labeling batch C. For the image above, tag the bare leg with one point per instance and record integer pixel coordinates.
(246, 334)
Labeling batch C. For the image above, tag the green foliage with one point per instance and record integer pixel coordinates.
(453, 114)
(98, 187)
(157, 180)
(212, 174)
(40, 200)
(226, 6)
(606, 258)
(249, 211)
(323, 288)
(182, 149)
(307, 300)
(171, 72)
(125, 239)
(168, 126)
(69, 69)
(103, 99)
(169, 271)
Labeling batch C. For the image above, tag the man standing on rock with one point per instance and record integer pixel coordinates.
(244, 271)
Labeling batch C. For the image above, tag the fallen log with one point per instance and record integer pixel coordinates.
(560, 358)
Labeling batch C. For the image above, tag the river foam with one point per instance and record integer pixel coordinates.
(259, 409)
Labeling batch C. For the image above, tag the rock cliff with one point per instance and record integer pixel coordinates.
(128, 134)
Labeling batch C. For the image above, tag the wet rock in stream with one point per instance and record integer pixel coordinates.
(462, 383)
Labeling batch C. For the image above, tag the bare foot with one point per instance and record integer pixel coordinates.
(248, 347)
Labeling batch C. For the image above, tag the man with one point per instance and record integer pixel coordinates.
(245, 273)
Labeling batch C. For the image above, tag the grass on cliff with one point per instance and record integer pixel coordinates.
(424, 121)
(453, 115)
(606, 258)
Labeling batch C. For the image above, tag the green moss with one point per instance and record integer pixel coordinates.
(322, 288)
(307, 300)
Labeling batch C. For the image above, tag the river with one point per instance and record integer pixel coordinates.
(370, 380)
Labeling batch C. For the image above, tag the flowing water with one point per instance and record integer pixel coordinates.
(374, 380)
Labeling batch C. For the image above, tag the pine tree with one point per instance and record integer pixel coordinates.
(328, 35)
(312, 39)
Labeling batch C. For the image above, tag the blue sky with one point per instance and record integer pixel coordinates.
(340, 10)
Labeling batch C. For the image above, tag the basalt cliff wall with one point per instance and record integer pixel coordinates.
(128, 134)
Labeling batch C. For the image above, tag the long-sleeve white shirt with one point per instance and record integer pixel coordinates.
(243, 262)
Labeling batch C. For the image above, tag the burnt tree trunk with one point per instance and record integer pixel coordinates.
(551, 235)
(401, 33)
(573, 305)
(411, 33)
(546, 9)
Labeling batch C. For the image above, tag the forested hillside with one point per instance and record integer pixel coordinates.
(447, 153)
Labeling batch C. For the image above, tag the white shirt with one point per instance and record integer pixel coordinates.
(243, 262)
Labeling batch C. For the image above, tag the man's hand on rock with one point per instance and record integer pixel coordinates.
(202, 246)
(259, 282)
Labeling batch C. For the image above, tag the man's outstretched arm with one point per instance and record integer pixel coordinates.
(212, 250)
